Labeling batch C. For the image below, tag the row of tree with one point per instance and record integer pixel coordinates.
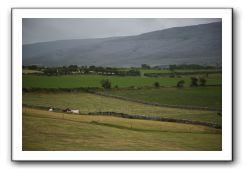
(195, 82)
(74, 69)
(192, 67)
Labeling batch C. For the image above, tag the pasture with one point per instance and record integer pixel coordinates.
(84, 81)
(43, 130)
(56, 131)
(87, 102)
(210, 97)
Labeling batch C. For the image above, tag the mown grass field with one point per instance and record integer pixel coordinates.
(78, 81)
(43, 130)
(86, 102)
(27, 71)
(210, 97)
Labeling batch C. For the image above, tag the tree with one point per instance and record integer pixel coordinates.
(106, 84)
(51, 71)
(33, 67)
(73, 68)
(194, 82)
(181, 83)
(145, 66)
(172, 67)
(203, 81)
(156, 85)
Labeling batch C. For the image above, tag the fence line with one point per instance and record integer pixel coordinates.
(142, 117)
(154, 118)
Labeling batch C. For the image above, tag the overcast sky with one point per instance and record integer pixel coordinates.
(50, 29)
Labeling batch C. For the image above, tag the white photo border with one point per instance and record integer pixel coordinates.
(227, 91)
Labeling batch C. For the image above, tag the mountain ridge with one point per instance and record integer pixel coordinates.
(179, 45)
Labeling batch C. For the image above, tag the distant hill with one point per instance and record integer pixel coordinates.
(198, 44)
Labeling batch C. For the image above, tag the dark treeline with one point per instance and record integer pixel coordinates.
(179, 74)
(133, 71)
(192, 67)
(74, 69)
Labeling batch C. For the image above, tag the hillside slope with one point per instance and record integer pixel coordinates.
(198, 44)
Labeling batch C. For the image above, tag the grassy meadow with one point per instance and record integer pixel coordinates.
(78, 81)
(50, 131)
(87, 102)
(47, 131)
(209, 97)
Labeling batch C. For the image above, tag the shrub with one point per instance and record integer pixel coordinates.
(156, 85)
(194, 82)
(180, 83)
(202, 81)
(106, 84)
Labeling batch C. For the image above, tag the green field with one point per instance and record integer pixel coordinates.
(78, 81)
(86, 102)
(43, 130)
(210, 97)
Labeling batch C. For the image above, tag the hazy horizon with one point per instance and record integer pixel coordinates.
(37, 30)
